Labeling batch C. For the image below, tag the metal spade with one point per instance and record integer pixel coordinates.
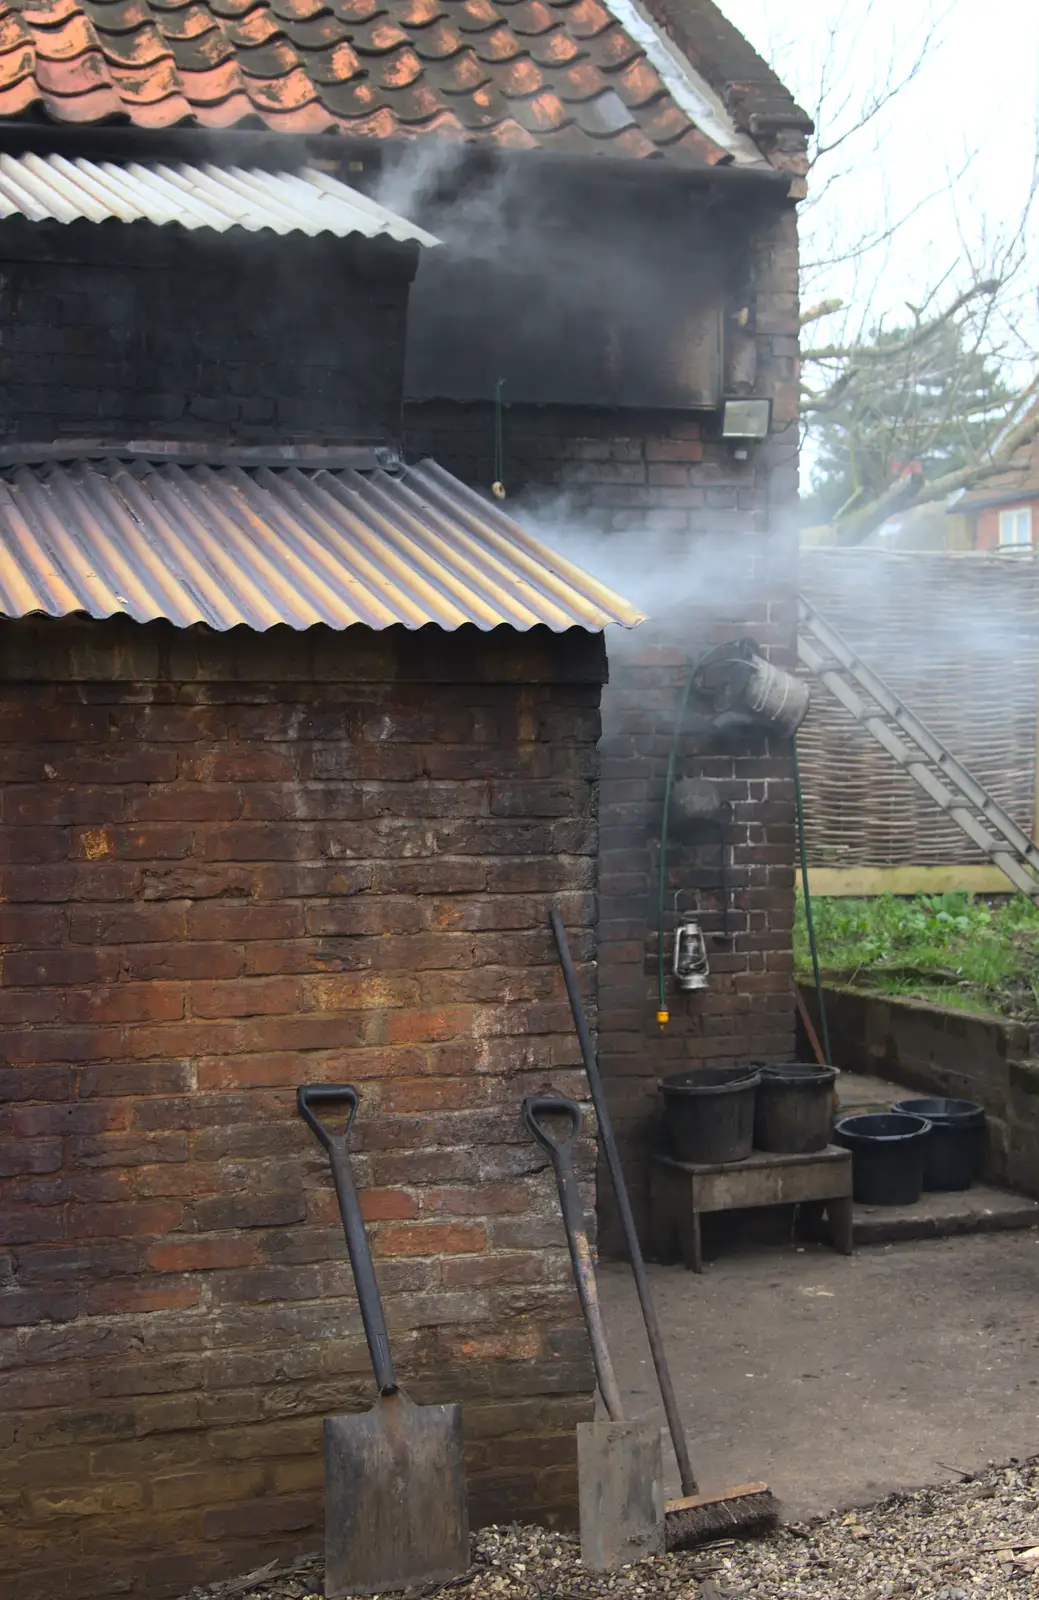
(395, 1494)
(620, 1474)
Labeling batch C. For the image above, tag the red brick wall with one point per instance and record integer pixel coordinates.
(231, 865)
(637, 481)
(985, 524)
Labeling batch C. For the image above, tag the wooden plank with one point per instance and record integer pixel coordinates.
(734, 1191)
(756, 1160)
(864, 882)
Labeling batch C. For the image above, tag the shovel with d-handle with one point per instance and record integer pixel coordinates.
(395, 1496)
(620, 1472)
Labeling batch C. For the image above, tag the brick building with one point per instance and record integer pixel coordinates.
(306, 741)
(1004, 513)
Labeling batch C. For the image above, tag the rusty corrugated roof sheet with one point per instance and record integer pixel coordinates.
(260, 546)
(562, 74)
(53, 188)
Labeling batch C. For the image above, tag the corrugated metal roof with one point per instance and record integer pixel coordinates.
(261, 546)
(53, 188)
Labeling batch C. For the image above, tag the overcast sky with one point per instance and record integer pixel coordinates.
(974, 103)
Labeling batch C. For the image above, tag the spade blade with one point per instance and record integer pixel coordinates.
(620, 1477)
(395, 1498)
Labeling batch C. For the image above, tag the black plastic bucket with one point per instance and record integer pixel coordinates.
(954, 1153)
(887, 1156)
(793, 1114)
(709, 1114)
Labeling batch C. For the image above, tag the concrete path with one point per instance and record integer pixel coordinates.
(839, 1379)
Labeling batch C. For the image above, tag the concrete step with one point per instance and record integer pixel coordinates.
(980, 1209)
(859, 1095)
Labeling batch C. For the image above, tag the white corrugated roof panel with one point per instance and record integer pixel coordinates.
(53, 188)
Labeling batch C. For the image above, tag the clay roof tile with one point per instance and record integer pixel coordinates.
(562, 73)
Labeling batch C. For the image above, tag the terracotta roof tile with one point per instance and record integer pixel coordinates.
(497, 45)
(579, 81)
(230, 8)
(17, 67)
(348, 11)
(418, 13)
(256, 27)
(196, 19)
(528, 17)
(439, 40)
(663, 122)
(561, 73)
(554, 49)
(119, 16)
(18, 97)
(378, 36)
(44, 13)
(460, 75)
(338, 64)
(586, 18)
(476, 16)
(612, 49)
(70, 39)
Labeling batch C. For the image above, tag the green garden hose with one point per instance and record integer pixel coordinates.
(809, 922)
(663, 1013)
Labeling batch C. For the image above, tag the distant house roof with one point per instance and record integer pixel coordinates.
(566, 75)
(1019, 481)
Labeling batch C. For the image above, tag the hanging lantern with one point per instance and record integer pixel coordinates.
(690, 962)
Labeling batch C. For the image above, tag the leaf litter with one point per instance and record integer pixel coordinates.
(975, 1538)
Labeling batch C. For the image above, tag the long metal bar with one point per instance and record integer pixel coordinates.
(620, 1189)
(920, 734)
(943, 796)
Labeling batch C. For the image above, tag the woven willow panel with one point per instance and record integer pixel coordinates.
(957, 637)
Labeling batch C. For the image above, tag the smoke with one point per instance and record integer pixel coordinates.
(411, 180)
(716, 582)
(534, 263)
(586, 276)
(473, 210)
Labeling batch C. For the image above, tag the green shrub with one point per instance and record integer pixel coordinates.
(958, 948)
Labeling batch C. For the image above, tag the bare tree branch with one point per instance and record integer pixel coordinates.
(855, 527)
(825, 308)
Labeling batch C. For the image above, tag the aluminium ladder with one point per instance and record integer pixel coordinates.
(875, 707)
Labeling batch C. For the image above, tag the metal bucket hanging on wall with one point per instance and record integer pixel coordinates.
(749, 691)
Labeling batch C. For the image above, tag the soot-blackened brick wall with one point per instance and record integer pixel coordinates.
(111, 331)
(658, 503)
(232, 864)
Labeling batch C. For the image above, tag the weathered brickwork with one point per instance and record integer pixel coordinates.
(127, 332)
(662, 488)
(231, 865)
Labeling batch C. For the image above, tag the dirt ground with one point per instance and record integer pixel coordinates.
(974, 1540)
(840, 1380)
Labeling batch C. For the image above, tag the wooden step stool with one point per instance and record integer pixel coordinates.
(681, 1191)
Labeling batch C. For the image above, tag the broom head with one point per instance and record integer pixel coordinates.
(750, 1508)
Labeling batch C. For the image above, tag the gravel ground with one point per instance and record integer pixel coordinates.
(976, 1538)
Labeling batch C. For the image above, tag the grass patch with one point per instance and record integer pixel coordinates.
(951, 949)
